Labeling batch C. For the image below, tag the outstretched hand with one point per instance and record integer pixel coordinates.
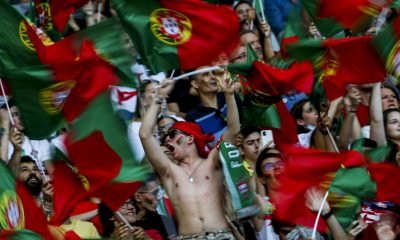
(226, 83)
(314, 199)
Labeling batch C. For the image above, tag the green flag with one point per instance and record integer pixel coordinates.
(349, 187)
(16, 50)
(100, 149)
(328, 27)
(113, 44)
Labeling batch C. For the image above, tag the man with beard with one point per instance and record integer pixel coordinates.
(29, 174)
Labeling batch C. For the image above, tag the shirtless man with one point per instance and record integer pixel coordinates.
(194, 180)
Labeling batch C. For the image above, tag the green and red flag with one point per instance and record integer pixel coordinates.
(387, 177)
(54, 14)
(354, 15)
(344, 61)
(305, 168)
(348, 189)
(112, 44)
(100, 150)
(69, 191)
(275, 117)
(62, 92)
(16, 50)
(18, 209)
(272, 81)
(387, 45)
(19, 234)
(328, 27)
(178, 34)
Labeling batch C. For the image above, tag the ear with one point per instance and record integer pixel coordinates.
(194, 84)
(190, 139)
(300, 122)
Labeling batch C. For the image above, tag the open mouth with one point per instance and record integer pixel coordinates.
(171, 149)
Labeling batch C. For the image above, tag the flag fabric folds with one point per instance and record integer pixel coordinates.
(98, 146)
(178, 34)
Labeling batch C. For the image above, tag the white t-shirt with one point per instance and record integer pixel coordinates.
(134, 140)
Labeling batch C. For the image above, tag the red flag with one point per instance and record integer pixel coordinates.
(275, 81)
(305, 168)
(351, 14)
(68, 192)
(387, 178)
(349, 61)
(61, 10)
(81, 76)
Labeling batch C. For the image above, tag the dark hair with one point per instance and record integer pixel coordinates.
(264, 154)
(145, 185)
(297, 113)
(246, 131)
(394, 90)
(11, 103)
(27, 159)
(386, 114)
(105, 215)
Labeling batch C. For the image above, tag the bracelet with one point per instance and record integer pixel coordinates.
(327, 215)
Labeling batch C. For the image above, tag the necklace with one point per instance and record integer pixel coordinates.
(190, 176)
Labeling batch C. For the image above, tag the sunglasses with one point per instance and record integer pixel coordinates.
(277, 165)
(171, 134)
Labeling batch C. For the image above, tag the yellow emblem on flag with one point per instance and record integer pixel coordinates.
(170, 27)
(393, 61)
(11, 211)
(53, 97)
(23, 35)
(44, 14)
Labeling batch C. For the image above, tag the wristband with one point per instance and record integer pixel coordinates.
(327, 215)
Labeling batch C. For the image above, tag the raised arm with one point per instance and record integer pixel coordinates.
(351, 129)
(150, 144)
(376, 116)
(232, 112)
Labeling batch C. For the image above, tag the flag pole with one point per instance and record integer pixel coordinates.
(324, 107)
(3, 92)
(207, 69)
(262, 10)
(123, 219)
(314, 232)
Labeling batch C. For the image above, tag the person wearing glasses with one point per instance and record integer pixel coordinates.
(193, 179)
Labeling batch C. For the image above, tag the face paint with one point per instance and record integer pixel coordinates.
(180, 140)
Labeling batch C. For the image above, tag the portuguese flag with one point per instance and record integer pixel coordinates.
(18, 209)
(328, 27)
(98, 146)
(54, 14)
(387, 46)
(16, 50)
(270, 80)
(178, 34)
(339, 62)
(354, 15)
(305, 168)
(47, 96)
